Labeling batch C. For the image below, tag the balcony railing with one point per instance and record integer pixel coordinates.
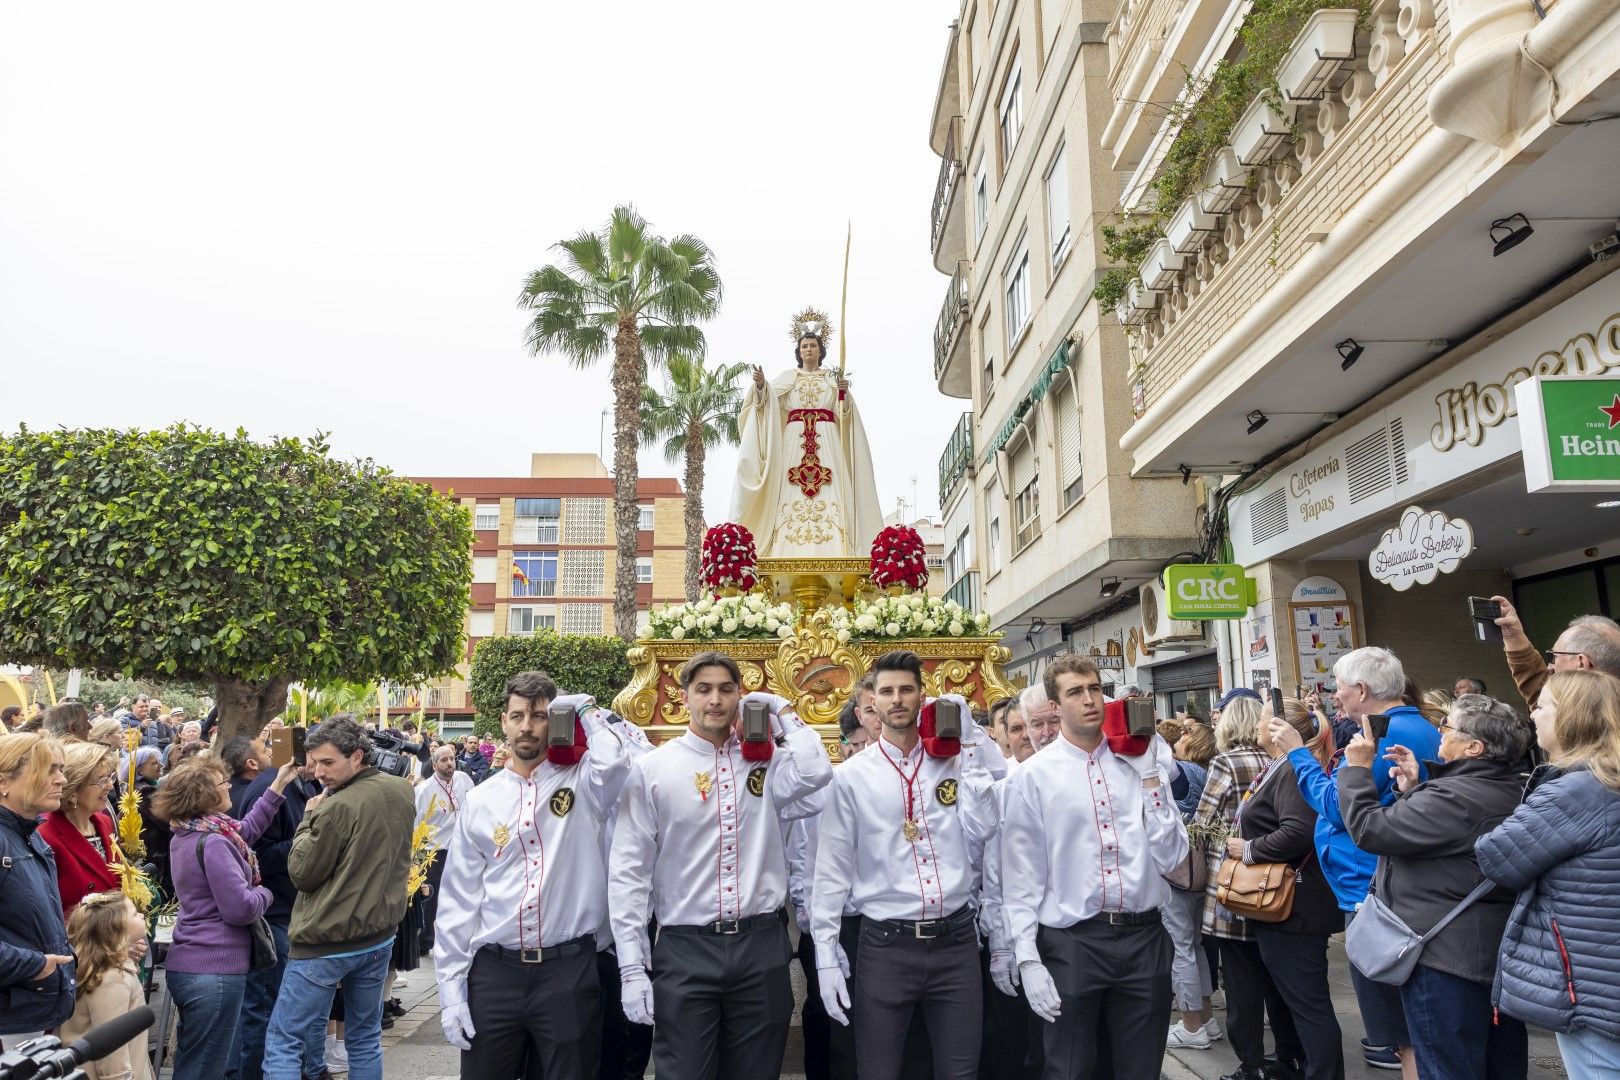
(965, 590)
(953, 318)
(957, 459)
(534, 587)
(950, 171)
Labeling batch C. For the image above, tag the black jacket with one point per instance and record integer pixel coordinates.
(31, 925)
(473, 765)
(1425, 840)
(1282, 828)
(276, 841)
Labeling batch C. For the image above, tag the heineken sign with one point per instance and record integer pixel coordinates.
(1207, 591)
(1570, 430)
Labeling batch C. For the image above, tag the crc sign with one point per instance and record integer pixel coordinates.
(1207, 591)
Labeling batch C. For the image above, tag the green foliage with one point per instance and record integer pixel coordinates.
(694, 398)
(195, 699)
(197, 556)
(579, 664)
(316, 703)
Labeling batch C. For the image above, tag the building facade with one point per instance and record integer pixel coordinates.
(543, 558)
(1337, 321)
(1045, 529)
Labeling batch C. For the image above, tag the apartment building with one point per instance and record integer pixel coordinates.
(1044, 526)
(1355, 320)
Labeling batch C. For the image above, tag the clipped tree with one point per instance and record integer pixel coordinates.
(197, 556)
(579, 664)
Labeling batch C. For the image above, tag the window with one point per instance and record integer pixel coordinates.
(643, 570)
(1066, 415)
(981, 199)
(535, 521)
(537, 508)
(992, 551)
(644, 521)
(1026, 486)
(480, 624)
(1011, 112)
(526, 620)
(1057, 205)
(583, 574)
(988, 382)
(534, 573)
(960, 557)
(587, 521)
(582, 619)
(483, 570)
(487, 517)
(1017, 279)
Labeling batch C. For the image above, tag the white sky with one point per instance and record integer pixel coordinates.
(317, 216)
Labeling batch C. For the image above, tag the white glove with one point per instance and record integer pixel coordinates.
(834, 992)
(636, 992)
(1040, 990)
(1004, 973)
(1156, 763)
(458, 1026)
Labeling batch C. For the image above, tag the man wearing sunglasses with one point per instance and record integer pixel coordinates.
(1590, 641)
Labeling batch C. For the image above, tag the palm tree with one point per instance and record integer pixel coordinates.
(698, 411)
(627, 291)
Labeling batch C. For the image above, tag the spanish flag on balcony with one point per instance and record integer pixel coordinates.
(518, 574)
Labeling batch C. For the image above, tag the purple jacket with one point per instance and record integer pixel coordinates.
(211, 935)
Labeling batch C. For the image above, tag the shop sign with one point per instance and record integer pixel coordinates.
(1319, 590)
(1570, 428)
(1208, 591)
(1422, 547)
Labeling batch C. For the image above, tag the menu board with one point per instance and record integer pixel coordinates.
(1322, 634)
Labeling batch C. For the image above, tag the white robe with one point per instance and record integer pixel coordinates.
(842, 516)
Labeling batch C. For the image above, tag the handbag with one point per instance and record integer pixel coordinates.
(1192, 875)
(262, 943)
(1263, 892)
(1381, 945)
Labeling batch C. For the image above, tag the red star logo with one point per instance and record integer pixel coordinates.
(1612, 411)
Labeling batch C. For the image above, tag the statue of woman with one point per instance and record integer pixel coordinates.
(804, 482)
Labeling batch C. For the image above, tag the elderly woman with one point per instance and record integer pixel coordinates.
(81, 831)
(36, 963)
(1425, 840)
(1561, 850)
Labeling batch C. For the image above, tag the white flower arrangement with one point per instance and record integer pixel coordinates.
(747, 616)
(912, 615)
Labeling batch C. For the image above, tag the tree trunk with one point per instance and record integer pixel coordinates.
(245, 707)
(695, 452)
(629, 375)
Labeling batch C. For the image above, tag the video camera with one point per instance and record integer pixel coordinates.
(45, 1058)
(393, 754)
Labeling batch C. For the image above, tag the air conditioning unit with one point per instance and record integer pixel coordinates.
(1158, 628)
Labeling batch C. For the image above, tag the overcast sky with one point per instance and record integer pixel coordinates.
(317, 217)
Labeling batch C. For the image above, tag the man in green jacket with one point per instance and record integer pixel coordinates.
(350, 858)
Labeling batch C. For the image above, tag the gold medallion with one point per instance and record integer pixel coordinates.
(704, 784)
(502, 836)
(910, 831)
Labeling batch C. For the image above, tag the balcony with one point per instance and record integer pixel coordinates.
(948, 222)
(534, 587)
(421, 697)
(965, 591)
(957, 460)
(952, 369)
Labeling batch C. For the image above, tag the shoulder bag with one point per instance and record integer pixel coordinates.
(261, 941)
(1381, 945)
(1263, 892)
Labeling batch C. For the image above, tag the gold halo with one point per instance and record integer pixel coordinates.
(812, 321)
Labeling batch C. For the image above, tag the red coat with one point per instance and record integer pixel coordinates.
(79, 870)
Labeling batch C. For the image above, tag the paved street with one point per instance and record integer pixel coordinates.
(415, 1049)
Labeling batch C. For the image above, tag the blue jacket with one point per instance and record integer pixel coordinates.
(1560, 960)
(32, 926)
(1349, 869)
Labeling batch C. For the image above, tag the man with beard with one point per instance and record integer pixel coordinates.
(699, 843)
(524, 892)
(439, 800)
(900, 839)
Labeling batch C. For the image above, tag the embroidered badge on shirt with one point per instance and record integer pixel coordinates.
(756, 781)
(704, 784)
(502, 836)
(562, 801)
(946, 792)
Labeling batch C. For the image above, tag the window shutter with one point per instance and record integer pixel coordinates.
(1066, 408)
(1023, 466)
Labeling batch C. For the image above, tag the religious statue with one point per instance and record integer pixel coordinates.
(804, 482)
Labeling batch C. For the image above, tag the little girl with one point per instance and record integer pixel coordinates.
(102, 930)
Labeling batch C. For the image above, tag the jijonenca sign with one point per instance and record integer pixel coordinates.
(1421, 548)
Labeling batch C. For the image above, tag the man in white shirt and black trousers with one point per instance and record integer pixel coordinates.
(699, 842)
(525, 890)
(1089, 831)
(439, 799)
(897, 840)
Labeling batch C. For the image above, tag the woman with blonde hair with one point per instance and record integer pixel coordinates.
(103, 928)
(1561, 850)
(81, 832)
(35, 957)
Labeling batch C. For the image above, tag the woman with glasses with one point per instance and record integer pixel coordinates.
(80, 832)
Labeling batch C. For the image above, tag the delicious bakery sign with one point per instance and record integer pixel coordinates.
(1421, 548)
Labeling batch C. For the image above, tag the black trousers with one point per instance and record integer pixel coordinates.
(1252, 997)
(430, 902)
(813, 1019)
(1114, 982)
(902, 976)
(722, 1003)
(1297, 966)
(626, 1047)
(919, 1059)
(1007, 1050)
(542, 1020)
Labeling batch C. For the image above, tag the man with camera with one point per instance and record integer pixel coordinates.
(699, 842)
(349, 860)
(900, 838)
(525, 889)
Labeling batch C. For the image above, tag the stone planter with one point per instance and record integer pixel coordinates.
(1327, 40)
(1259, 133)
(1162, 266)
(1191, 226)
(1224, 181)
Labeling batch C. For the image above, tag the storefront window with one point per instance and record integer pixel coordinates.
(1547, 603)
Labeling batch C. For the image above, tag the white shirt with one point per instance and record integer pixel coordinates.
(1081, 836)
(439, 803)
(864, 858)
(525, 870)
(692, 858)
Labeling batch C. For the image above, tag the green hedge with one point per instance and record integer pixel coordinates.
(579, 664)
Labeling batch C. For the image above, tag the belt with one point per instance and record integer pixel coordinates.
(572, 947)
(1149, 917)
(926, 929)
(728, 927)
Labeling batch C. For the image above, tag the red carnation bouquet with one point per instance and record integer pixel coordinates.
(898, 558)
(728, 558)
